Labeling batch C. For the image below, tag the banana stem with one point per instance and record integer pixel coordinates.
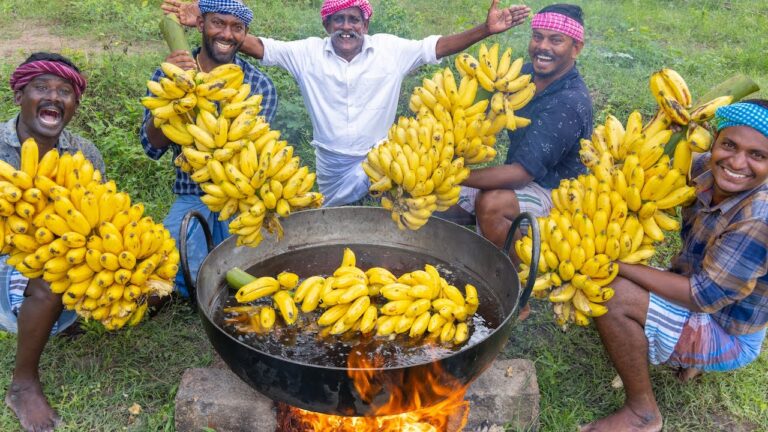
(739, 86)
(237, 278)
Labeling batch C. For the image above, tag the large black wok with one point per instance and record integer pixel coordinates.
(309, 236)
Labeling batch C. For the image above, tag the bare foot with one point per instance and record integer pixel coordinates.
(626, 420)
(686, 375)
(27, 401)
(524, 312)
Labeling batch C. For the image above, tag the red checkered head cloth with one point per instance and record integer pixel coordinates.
(29, 71)
(330, 7)
(556, 18)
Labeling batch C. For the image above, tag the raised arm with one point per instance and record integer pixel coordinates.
(188, 13)
(498, 20)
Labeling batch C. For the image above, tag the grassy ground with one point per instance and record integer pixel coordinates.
(94, 379)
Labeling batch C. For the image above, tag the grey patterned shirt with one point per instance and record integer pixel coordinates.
(10, 147)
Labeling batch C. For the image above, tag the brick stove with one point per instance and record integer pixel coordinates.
(507, 394)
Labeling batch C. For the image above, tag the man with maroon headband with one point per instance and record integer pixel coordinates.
(351, 81)
(47, 88)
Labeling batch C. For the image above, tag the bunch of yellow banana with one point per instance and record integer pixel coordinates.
(578, 250)
(671, 93)
(472, 124)
(420, 165)
(620, 210)
(415, 171)
(674, 98)
(615, 213)
(180, 91)
(83, 237)
(262, 180)
(648, 141)
(422, 302)
(499, 75)
(353, 300)
(241, 164)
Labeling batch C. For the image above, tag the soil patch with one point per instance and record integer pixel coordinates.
(728, 424)
(36, 36)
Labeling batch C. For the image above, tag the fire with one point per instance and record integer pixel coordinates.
(410, 407)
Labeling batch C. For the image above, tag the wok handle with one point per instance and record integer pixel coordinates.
(184, 230)
(536, 252)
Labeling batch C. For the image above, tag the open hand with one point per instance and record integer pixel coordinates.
(186, 11)
(500, 20)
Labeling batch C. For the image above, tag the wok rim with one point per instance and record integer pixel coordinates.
(205, 312)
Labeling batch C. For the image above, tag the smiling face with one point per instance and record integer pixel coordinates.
(47, 104)
(552, 53)
(346, 29)
(223, 35)
(739, 161)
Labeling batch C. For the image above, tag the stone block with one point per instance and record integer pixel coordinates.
(218, 399)
(506, 394)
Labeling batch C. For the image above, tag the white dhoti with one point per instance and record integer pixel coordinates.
(340, 177)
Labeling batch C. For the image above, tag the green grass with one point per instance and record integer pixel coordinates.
(93, 379)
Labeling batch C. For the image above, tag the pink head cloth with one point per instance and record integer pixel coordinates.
(330, 7)
(559, 23)
(29, 71)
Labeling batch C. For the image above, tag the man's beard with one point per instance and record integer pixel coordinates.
(219, 58)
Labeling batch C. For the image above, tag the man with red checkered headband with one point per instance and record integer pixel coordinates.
(547, 150)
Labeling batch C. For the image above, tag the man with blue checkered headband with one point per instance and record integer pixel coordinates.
(224, 26)
(709, 312)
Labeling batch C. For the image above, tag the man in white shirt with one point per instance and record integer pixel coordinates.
(350, 81)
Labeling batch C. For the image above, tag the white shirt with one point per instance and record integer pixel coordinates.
(351, 104)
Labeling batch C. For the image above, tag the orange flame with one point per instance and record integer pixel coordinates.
(405, 409)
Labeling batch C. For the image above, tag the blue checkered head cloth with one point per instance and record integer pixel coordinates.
(229, 7)
(743, 114)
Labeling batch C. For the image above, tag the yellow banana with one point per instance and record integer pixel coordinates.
(678, 86)
(562, 294)
(699, 138)
(706, 111)
(681, 196)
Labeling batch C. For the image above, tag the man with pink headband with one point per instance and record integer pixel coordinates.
(47, 88)
(546, 151)
(350, 81)
(709, 312)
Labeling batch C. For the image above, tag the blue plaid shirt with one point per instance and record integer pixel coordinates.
(260, 84)
(560, 116)
(725, 254)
